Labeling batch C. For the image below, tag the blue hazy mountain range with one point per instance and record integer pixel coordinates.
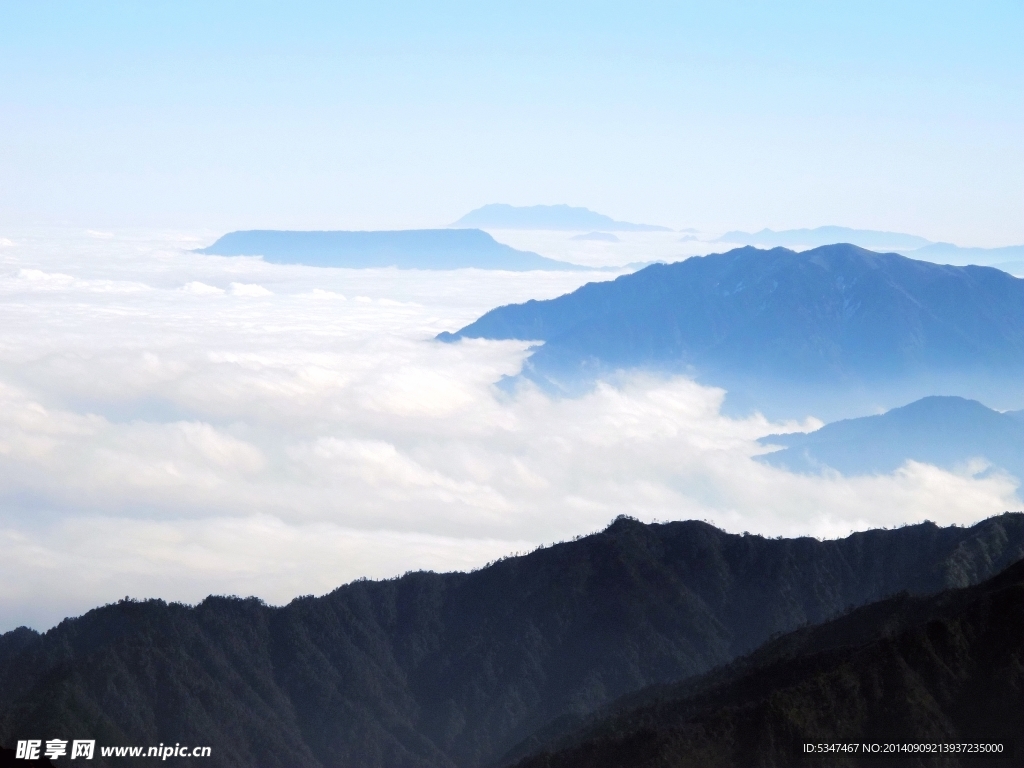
(1009, 258)
(791, 333)
(405, 249)
(944, 431)
(969, 255)
(865, 238)
(557, 217)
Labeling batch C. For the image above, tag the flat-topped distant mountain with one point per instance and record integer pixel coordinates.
(907, 670)
(404, 248)
(809, 238)
(763, 324)
(454, 670)
(558, 217)
(944, 431)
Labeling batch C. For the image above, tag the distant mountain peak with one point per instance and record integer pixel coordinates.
(551, 217)
(767, 323)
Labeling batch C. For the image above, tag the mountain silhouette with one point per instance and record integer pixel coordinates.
(457, 669)
(920, 670)
(405, 249)
(556, 217)
(777, 324)
(944, 431)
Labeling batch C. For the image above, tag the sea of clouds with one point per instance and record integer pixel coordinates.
(174, 425)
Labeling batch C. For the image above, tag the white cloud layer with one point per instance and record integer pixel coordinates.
(173, 424)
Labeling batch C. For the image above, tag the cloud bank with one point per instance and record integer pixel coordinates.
(173, 424)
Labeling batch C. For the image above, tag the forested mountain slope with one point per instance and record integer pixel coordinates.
(922, 670)
(455, 669)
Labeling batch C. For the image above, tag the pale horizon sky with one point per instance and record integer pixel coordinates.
(219, 116)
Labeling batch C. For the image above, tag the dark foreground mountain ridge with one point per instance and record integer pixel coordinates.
(764, 323)
(455, 669)
(945, 668)
(404, 248)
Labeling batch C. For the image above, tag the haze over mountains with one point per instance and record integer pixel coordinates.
(1009, 258)
(988, 256)
(463, 244)
(462, 669)
(405, 249)
(944, 431)
(790, 332)
(554, 217)
(458, 669)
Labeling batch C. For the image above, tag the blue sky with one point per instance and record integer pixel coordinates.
(216, 116)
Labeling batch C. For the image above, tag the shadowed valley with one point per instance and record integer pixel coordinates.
(942, 669)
